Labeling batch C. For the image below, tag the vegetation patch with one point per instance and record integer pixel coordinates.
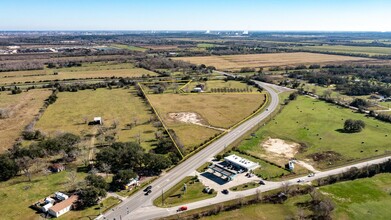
(176, 195)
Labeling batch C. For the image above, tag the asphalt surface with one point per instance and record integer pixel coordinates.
(130, 208)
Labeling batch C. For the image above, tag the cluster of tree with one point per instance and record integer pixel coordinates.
(382, 117)
(360, 103)
(352, 126)
(64, 65)
(94, 189)
(131, 156)
(226, 90)
(21, 158)
(363, 88)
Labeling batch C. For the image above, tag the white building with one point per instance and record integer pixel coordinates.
(241, 162)
(63, 206)
(61, 196)
(98, 120)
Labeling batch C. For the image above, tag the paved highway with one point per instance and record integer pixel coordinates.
(130, 208)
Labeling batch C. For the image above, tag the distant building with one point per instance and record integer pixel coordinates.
(56, 168)
(96, 121)
(291, 165)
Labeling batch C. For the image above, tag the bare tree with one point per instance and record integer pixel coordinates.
(259, 194)
(115, 124)
(24, 164)
(72, 179)
(135, 121)
(285, 187)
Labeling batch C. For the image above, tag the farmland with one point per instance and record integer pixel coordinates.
(221, 84)
(209, 114)
(318, 125)
(236, 62)
(71, 110)
(21, 109)
(89, 70)
(129, 47)
(348, 49)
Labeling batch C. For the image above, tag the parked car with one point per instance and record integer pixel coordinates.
(225, 191)
(206, 189)
(182, 208)
(148, 188)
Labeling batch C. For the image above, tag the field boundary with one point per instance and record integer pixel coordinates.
(160, 119)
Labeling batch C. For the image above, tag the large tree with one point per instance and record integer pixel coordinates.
(8, 167)
(122, 178)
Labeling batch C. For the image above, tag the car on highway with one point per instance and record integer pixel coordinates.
(182, 208)
(300, 180)
(148, 188)
(148, 192)
(261, 182)
(311, 174)
(225, 191)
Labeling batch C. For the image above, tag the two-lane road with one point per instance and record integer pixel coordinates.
(128, 208)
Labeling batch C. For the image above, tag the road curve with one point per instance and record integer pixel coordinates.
(129, 208)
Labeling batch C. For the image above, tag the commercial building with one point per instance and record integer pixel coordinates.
(240, 163)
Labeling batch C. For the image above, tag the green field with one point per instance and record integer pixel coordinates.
(17, 194)
(348, 49)
(367, 198)
(175, 195)
(220, 84)
(129, 47)
(318, 125)
(70, 110)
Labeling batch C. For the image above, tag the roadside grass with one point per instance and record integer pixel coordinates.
(263, 211)
(367, 198)
(129, 47)
(175, 196)
(245, 186)
(347, 49)
(87, 70)
(204, 167)
(92, 212)
(22, 109)
(17, 194)
(67, 114)
(318, 124)
(266, 170)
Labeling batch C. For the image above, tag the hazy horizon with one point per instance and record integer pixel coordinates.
(176, 15)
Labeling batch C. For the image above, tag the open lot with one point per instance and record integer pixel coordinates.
(212, 85)
(69, 112)
(348, 49)
(318, 125)
(87, 70)
(367, 198)
(236, 62)
(212, 113)
(21, 109)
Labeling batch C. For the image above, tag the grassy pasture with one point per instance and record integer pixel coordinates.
(348, 49)
(23, 107)
(217, 110)
(367, 198)
(318, 124)
(88, 70)
(70, 109)
(129, 47)
(236, 62)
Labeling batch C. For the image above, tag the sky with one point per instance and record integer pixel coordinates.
(251, 15)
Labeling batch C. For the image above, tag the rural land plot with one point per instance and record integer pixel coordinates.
(348, 49)
(19, 110)
(213, 85)
(319, 126)
(122, 106)
(195, 117)
(236, 62)
(93, 70)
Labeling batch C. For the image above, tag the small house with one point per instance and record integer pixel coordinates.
(63, 207)
(96, 121)
(56, 168)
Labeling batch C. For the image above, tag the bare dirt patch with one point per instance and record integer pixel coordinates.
(281, 147)
(191, 118)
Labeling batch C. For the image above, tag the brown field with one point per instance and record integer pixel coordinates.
(93, 70)
(218, 111)
(161, 47)
(235, 62)
(23, 107)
